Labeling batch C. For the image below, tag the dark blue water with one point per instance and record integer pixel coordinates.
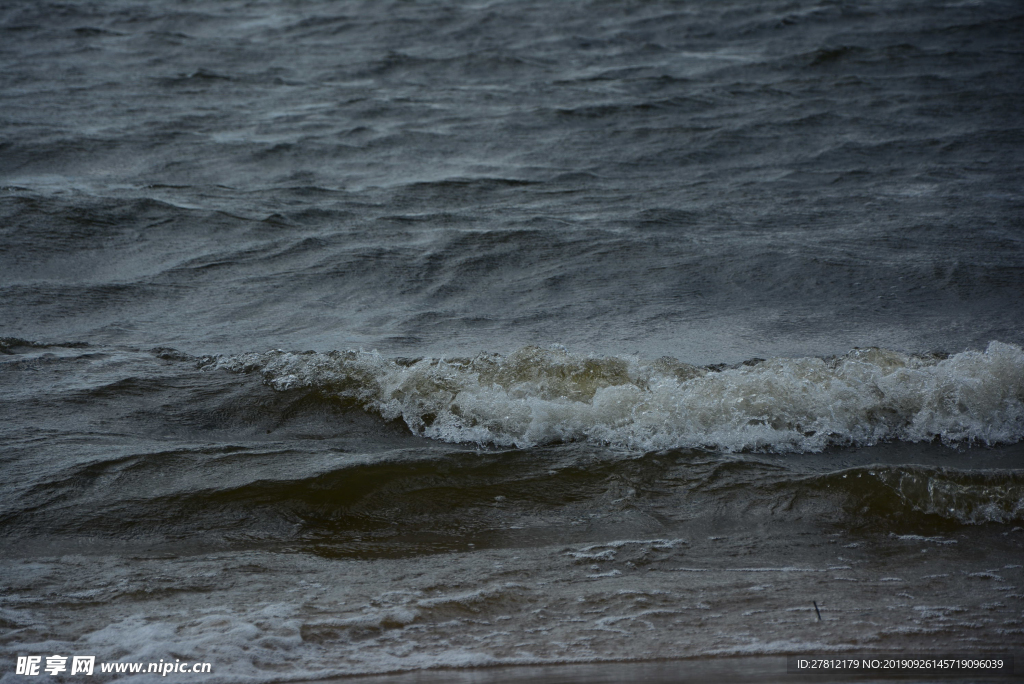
(355, 337)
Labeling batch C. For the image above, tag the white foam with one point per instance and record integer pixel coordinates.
(539, 396)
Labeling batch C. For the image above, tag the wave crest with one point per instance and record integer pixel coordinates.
(541, 396)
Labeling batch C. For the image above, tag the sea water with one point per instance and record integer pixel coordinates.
(372, 337)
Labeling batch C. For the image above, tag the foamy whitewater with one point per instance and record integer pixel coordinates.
(647, 341)
(536, 396)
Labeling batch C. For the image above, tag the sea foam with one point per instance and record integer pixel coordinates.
(541, 396)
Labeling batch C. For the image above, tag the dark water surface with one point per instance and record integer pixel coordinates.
(361, 337)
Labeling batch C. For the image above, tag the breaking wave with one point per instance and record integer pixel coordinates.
(542, 396)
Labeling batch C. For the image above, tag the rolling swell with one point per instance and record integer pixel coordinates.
(399, 504)
(536, 396)
(291, 449)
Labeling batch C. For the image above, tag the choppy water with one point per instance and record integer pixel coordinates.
(342, 337)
